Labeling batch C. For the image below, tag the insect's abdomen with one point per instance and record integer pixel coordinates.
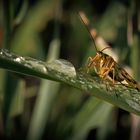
(121, 75)
(130, 80)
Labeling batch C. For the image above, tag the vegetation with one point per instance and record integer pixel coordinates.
(46, 92)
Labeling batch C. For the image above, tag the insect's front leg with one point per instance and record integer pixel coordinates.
(89, 63)
(92, 62)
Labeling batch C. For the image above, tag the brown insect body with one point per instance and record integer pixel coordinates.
(107, 69)
(102, 63)
(105, 66)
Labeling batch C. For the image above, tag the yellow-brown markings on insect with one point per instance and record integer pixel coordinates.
(105, 66)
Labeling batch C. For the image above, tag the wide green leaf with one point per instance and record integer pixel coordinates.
(63, 71)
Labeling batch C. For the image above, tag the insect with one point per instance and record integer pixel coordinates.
(105, 66)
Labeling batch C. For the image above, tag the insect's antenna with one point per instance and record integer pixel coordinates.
(105, 49)
(86, 22)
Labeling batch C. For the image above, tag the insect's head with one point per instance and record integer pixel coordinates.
(99, 55)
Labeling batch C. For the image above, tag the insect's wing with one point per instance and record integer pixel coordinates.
(123, 76)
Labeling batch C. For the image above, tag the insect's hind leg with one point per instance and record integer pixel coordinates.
(111, 80)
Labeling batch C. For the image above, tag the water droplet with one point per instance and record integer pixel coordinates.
(1, 52)
(81, 82)
(19, 59)
(73, 81)
(90, 86)
(62, 66)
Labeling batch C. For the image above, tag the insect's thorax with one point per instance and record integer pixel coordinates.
(103, 64)
(103, 60)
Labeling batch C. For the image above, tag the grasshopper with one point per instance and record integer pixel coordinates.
(105, 66)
